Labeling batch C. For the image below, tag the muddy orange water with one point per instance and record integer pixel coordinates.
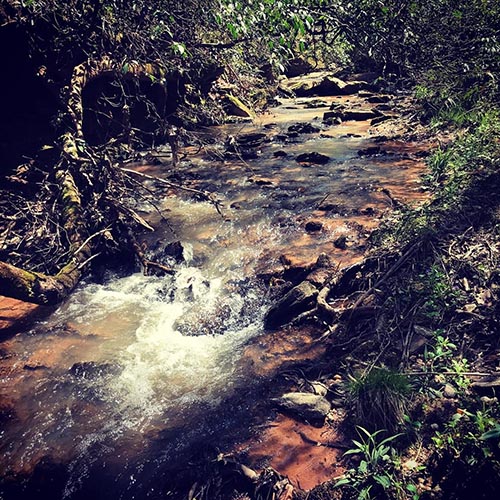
(131, 376)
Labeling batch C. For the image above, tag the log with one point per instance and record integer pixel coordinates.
(43, 289)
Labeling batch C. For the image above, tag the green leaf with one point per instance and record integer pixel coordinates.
(491, 434)
(411, 488)
(342, 482)
(384, 481)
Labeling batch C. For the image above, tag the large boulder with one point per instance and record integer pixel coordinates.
(233, 106)
(312, 408)
(323, 84)
(299, 299)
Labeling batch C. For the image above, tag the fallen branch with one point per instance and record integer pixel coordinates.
(206, 195)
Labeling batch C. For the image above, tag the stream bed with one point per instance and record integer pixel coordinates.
(131, 376)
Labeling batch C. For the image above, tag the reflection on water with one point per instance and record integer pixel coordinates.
(127, 373)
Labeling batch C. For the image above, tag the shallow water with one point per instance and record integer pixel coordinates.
(100, 397)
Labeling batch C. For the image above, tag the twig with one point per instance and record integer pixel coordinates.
(204, 194)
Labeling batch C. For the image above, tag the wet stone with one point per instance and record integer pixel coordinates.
(303, 128)
(341, 242)
(359, 114)
(312, 157)
(372, 150)
(280, 154)
(378, 99)
(314, 226)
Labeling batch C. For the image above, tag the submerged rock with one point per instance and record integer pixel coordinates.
(299, 299)
(340, 242)
(310, 407)
(93, 369)
(312, 157)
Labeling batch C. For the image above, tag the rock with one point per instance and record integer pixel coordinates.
(261, 181)
(233, 106)
(370, 211)
(378, 99)
(324, 261)
(312, 157)
(310, 407)
(303, 128)
(341, 242)
(323, 84)
(315, 103)
(15, 314)
(372, 150)
(245, 143)
(298, 66)
(333, 121)
(299, 299)
(449, 391)
(332, 115)
(313, 226)
(319, 277)
(368, 76)
(319, 388)
(174, 250)
(383, 107)
(350, 115)
(381, 119)
(487, 385)
(280, 154)
(359, 114)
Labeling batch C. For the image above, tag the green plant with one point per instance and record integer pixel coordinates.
(437, 289)
(379, 472)
(441, 353)
(379, 399)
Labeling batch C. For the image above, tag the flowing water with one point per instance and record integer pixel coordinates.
(119, 381)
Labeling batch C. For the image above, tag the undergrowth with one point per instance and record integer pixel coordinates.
(436, 289)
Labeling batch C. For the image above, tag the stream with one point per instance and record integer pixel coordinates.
(131, 376)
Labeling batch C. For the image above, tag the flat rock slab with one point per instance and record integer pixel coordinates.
(323, 84)
(14, 313)
(310, 407)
